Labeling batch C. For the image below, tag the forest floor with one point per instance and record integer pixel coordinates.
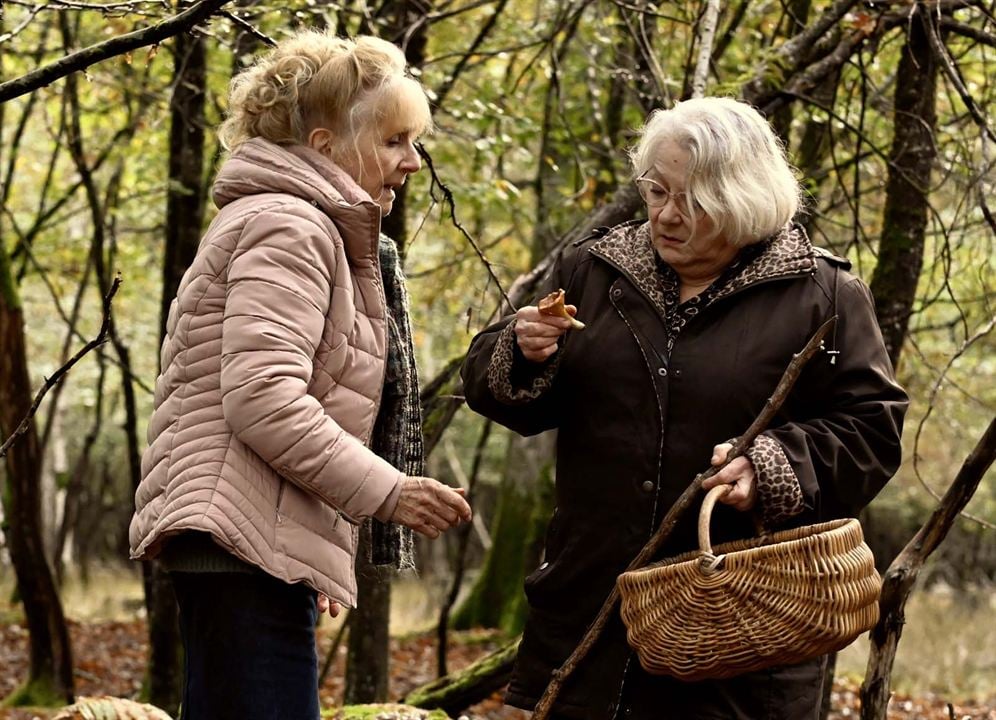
(110, 660)
(948, 652)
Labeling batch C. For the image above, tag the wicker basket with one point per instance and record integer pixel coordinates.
(751, 604)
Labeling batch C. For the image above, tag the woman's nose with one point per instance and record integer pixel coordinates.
(668, 212)
(411, 162)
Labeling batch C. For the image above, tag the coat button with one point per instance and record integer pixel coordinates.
(648, 486)
(616, 293)
(662, 371)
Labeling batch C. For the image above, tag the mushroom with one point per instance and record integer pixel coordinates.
(553, 304)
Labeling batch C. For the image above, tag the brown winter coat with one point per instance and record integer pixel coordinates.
(636, 423)
(272, 371)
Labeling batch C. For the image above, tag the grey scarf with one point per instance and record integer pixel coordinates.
(397, 435)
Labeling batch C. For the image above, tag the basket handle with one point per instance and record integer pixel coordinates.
(705, 515)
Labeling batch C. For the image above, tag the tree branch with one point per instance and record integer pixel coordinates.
(60, 373)
(448, 196)
(903, 572)
(951, 70)
(958, 28)
(82, 59)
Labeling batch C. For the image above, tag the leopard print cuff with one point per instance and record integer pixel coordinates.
(500, 369)
(778, 489)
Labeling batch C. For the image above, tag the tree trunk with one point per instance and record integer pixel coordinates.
(77, 480)
(900, 251)
(457, 691)
(185, 196)
(367, 656)
(903, 572)
(814, 146)
(367, 666)
(522, 511)
(793, 21)
(184, 218)
(50, 675)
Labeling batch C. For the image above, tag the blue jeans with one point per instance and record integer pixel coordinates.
(249, 647)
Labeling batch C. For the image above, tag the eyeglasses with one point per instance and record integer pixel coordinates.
(657, 196)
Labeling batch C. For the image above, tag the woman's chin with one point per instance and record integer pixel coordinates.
(669, 251)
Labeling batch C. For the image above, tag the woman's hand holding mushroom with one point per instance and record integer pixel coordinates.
(538, 327)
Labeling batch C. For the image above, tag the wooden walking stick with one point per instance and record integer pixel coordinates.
(771, 407)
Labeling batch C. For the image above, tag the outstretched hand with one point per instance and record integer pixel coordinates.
(739, 473)
(429, 508)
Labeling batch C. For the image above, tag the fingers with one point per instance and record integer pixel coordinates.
(739, 474)
(428, 507)
(720, 452)
(536, 334)
(326, 605)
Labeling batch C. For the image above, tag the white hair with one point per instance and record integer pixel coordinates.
(737, 170)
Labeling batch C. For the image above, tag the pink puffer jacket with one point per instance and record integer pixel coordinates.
(273, 366)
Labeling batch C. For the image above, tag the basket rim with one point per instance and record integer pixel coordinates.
(748, 547)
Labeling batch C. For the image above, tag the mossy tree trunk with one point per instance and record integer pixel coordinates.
(367, 654)
(50, 673)
(523, 508)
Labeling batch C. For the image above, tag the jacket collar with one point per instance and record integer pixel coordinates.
(258, 166)
(628, 247)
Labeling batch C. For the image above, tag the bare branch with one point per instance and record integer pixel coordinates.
(249, 28)
(982, 332)
(82, 59)
(448, 196)
(60, 373)
(951, 70)
(461, 65)
(903, 572)
(980, 36)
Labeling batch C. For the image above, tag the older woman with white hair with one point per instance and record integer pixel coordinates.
(691, 316)
(287, 411)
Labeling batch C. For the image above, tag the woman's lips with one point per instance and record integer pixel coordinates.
(668, 240)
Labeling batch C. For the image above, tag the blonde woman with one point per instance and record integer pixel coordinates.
(691, 317)
(287, 409)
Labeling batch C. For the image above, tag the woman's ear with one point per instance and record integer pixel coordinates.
(322, 140)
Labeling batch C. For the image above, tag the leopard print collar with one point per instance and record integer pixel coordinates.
(628, 247)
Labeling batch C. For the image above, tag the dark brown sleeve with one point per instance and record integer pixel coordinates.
(847, 446)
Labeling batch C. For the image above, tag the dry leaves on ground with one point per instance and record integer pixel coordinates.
(110, 660)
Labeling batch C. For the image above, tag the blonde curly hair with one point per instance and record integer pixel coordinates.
(314, 79)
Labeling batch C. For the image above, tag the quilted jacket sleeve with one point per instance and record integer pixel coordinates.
(278, 294)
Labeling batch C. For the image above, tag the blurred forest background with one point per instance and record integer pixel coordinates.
(107, 151)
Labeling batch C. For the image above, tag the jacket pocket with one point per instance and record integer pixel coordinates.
(537, 585)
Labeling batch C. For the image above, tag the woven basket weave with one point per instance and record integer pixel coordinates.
(751, 604)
